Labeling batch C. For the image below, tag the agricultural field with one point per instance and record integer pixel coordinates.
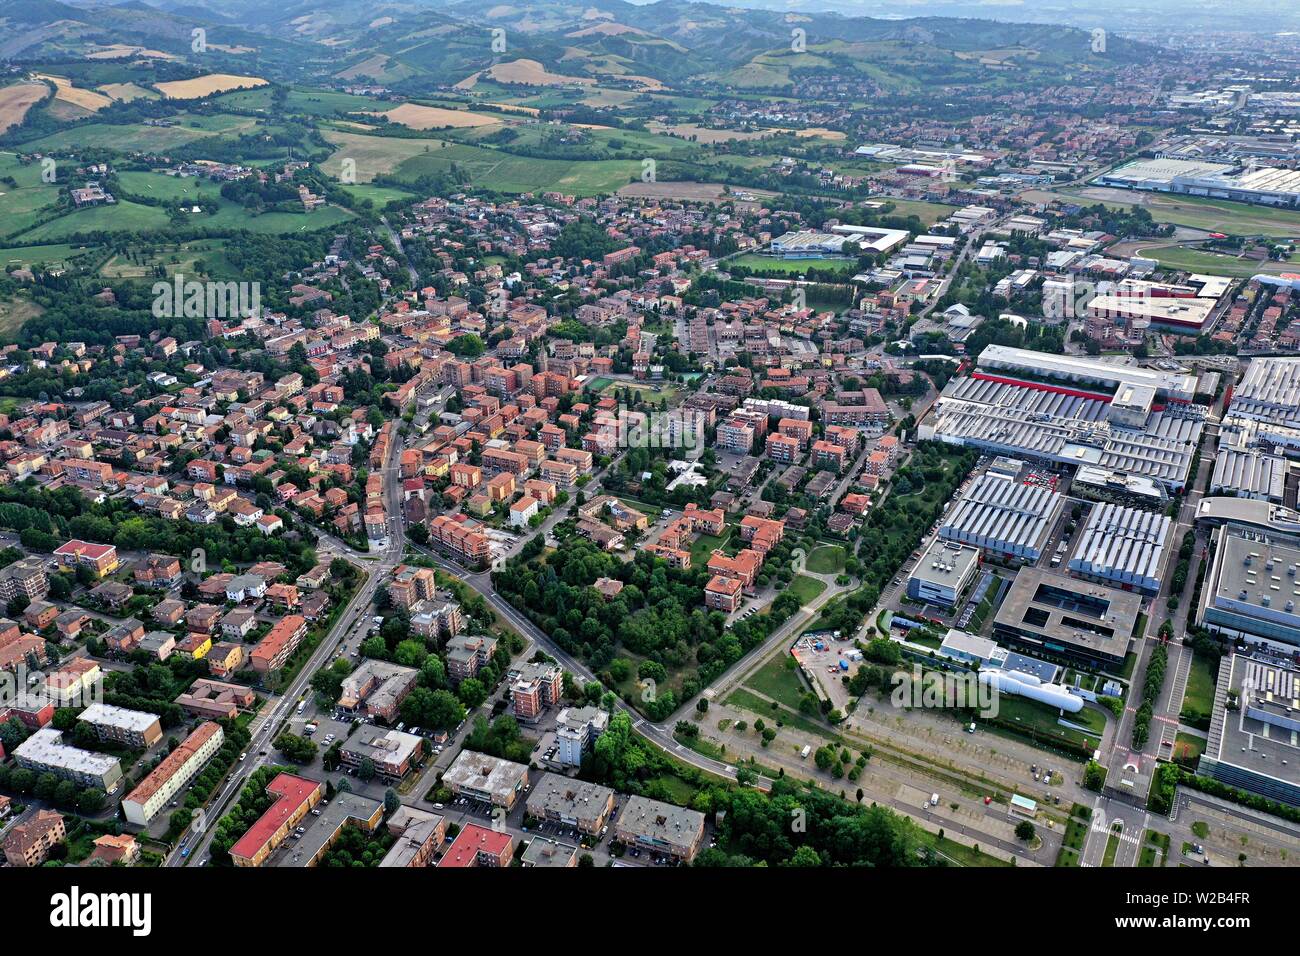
(16, 99)
(525, 73)
(85, 101)
(21, 206)
(115, 137)
(373, 155)
(207, 85)
(127, 92)
(431, 117)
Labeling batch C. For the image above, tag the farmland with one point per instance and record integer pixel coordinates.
(207, 85)
(16, 99)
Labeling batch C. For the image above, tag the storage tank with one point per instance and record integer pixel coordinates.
(1054, 695)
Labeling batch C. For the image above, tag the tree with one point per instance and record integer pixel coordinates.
(472, 693)
(1025, 831)
(392, 803)
(436, 709)
(295, 748)
(367, 769)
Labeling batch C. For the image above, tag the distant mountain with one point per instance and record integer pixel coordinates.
(419, 45)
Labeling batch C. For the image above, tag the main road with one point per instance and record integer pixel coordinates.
(265, 726)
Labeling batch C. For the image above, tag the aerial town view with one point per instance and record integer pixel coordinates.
(655, 436)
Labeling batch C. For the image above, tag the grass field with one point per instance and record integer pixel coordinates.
(410, 159)
(779, 679)
(828, 559)
(22, 206)
(162, 186)
(1198, 700)
(1197, 260)
(120, 138)
(14, 312)
(49, 254)
(1188, 748)
(1155, 849)
(179, 257)
(1022, 712)
(1212, 215)
(793, 266)
(928, 212)
(120, 217)
(805, 588)
(379, 195)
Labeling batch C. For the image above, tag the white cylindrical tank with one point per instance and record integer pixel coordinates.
(1054, 695)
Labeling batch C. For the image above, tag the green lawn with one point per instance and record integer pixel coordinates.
(1076, 834)
(1188, 748)
(1014, 712)
(1155, 847)
(119, 217)
(779, 679)
(1196, 260)
(704, 546)
(928, 212)
(1112, 845)
(827, 559)
(806, 589)
(1212, 215)
(793, 266)
(1198, 701)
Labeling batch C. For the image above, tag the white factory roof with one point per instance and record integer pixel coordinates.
(1125, 545)
(1008, 419)
(1269, 391)
(1153, 173)
(873, 237)
(1248, 472)
(1179, 385)
(1001, 514)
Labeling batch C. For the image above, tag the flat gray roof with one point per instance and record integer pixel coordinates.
(1260, 736)
(1051, 608)
(482, 773)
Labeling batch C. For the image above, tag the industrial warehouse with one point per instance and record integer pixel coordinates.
(1003, 516)
(1251, 592)
(1071, 411)
(1263, 185)
(1122, 546)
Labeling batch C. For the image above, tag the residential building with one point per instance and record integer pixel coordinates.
(173, 773)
